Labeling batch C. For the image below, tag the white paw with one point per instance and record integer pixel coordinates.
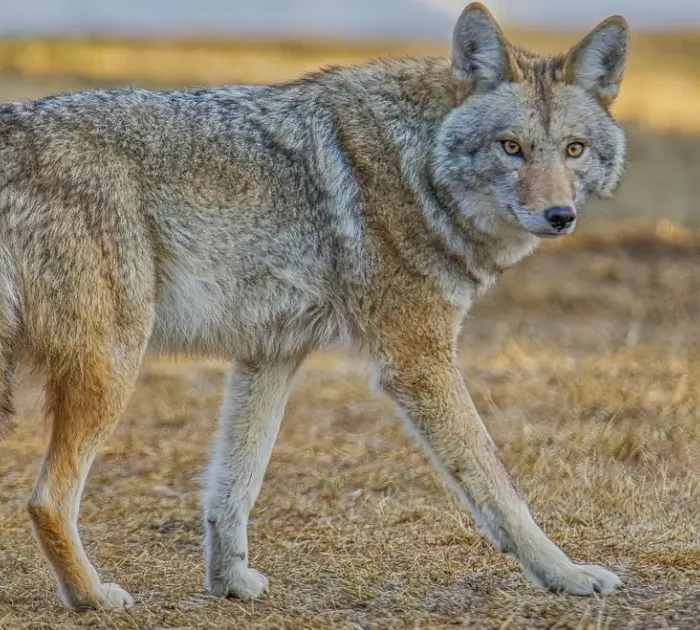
(578, 579)
(114, 596)
(591, 578)
(240, 583)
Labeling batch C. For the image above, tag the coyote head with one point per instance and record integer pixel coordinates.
(534, 138)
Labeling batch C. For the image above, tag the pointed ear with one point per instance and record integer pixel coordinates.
(597, 63)
(479, 49)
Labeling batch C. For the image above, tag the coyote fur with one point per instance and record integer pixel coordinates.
(365, 207)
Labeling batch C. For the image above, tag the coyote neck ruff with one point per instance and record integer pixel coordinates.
(362, 206)
(397, 110)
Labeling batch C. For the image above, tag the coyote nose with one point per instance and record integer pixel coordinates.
(560, 217)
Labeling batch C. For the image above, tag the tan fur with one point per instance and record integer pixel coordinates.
(365, 207)
(546, 186)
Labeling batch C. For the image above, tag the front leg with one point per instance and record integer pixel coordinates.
(249, 422)
(433, 396)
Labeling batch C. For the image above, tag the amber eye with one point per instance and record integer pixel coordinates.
(575, 149)
(511, 147)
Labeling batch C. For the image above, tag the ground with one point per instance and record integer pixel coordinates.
(585, 363)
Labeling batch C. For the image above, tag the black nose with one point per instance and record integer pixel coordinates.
(560, 217)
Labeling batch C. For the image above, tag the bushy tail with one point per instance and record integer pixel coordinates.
(9, 339)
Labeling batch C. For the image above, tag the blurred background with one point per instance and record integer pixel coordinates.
(584, 361)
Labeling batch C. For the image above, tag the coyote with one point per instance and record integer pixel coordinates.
(365, 207)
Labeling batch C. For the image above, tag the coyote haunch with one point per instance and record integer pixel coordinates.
(362, 206)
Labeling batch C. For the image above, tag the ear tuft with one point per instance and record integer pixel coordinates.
(479, 49)
(597, 63)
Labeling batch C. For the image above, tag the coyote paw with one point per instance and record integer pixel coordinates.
(114, 596)
(590, 578)
(107, 596)
(239, 583)
(579, 579)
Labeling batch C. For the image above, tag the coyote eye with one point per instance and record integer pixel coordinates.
(511, 147)
(575, 149)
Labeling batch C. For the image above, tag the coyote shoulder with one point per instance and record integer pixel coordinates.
(363, 206)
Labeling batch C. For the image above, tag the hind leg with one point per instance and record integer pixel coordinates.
(248, 426)
(84, 405)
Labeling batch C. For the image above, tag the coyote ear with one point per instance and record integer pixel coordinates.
(479, 49)
(597, 63)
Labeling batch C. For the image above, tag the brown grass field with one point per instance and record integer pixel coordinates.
(584, 361)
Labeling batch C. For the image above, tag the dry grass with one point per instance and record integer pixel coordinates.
(585, 362)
